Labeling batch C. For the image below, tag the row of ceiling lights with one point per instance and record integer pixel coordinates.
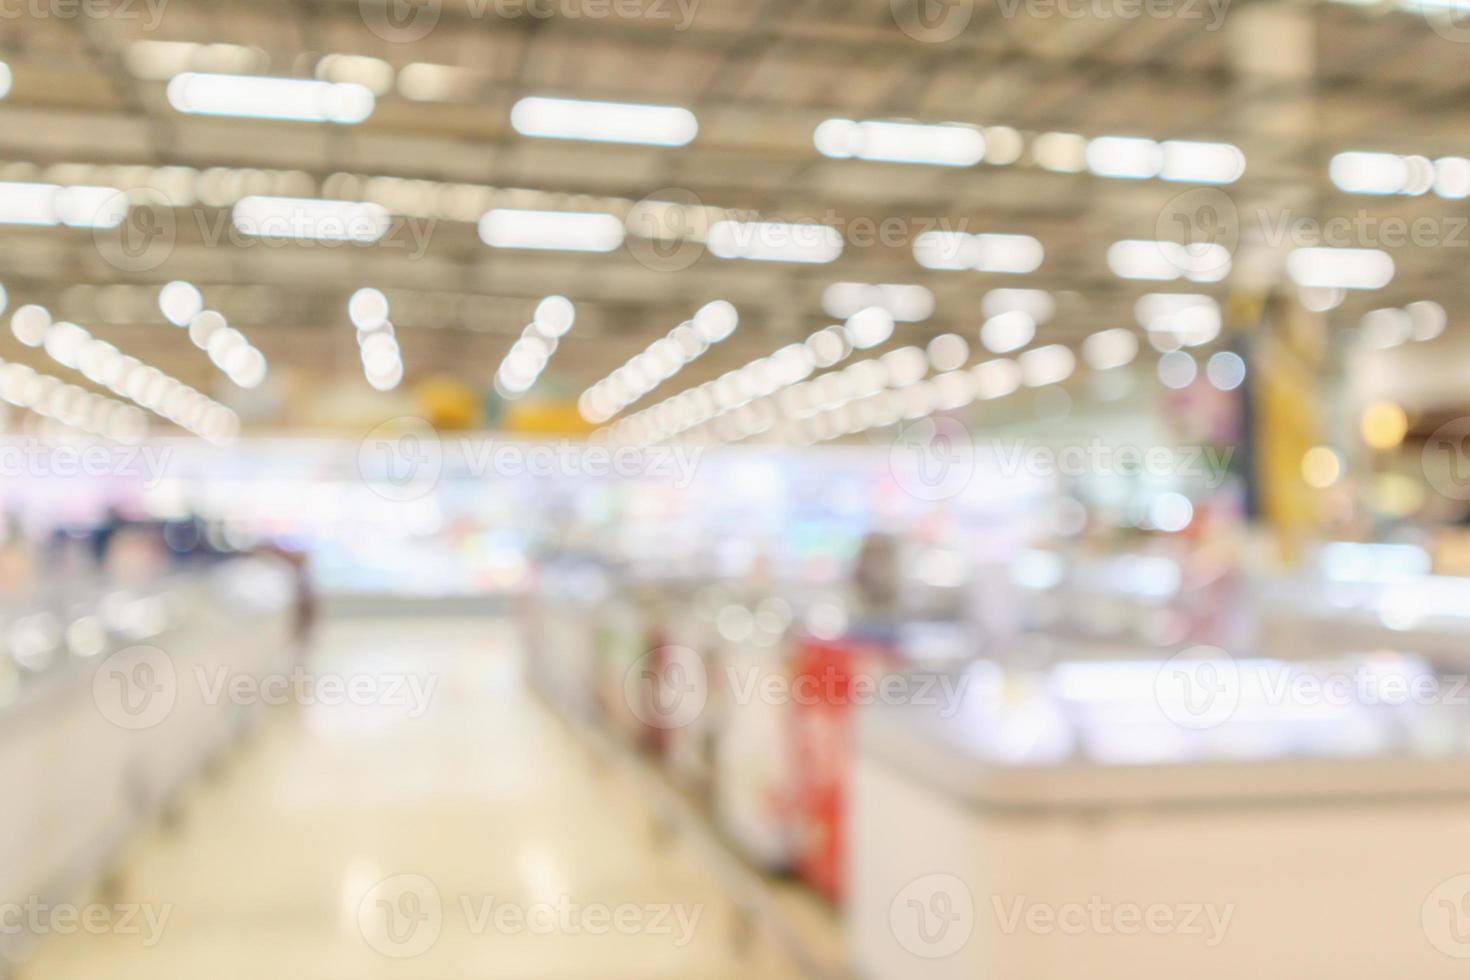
(75, 348)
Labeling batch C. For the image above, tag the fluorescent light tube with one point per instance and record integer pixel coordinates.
(257, 97)
(774, 241)
(310, 219)
(604, 122)
(946, 145)
(565, 231)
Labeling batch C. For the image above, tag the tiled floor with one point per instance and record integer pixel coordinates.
(479, 839)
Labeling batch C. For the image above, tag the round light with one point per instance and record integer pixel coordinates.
(554, 316)
(367, 308)
(1321, 467)
(204, 326)
(64, 342)
(248, 368)
(1177, 370)
(1384, 426)
(1008, 331)
(715, 321)
(180, 302)
(1225, 370)
(1170, 512)
(948, 352)
(869, 328)
(5, 79)
(29, 324)
(1427, 319)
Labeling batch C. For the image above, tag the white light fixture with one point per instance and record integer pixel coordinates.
(73, 347)
(1047, 365)
(1225, 370)
(1202, 163)
(1163, 261)
(29, 324)
(1006, 332)
(5, 79)
(869, 327)
(257, 97)
(907, 303)
(1177, 370)
(1186, 319)
(1128, 157)
(368, 309)
(948, 352)
(944, 145)
(554, 316)
(774, 241)
(997, 378)
(558, 231)
(180, 302)
(1060, 152)
(51, 204)
(658, 362)
(1452, 178)
(1345, 268)
(309, 219)
(1108, 349)
(604, 122)
(1428, 317)
(1015, 254)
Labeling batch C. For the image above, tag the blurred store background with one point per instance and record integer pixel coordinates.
(696, 488)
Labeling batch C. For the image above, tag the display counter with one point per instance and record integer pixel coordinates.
(1095, 813)
(98, 733)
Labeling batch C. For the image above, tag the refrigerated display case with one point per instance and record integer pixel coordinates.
(1096, 787)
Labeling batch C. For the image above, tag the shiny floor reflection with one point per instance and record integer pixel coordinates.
(469, 836)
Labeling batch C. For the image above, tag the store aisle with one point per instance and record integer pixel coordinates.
(473, 837)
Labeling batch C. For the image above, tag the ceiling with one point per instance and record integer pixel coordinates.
(1289, 84)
